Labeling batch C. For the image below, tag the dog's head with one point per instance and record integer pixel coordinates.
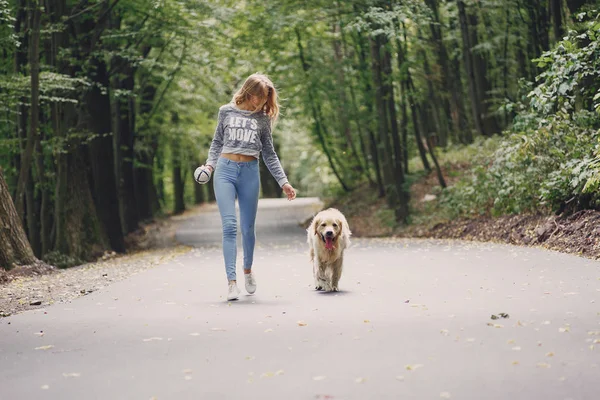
(330, 227)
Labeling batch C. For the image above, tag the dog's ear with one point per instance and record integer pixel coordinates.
(316, 224)
(345, 232)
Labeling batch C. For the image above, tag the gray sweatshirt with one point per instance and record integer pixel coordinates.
(243, 132)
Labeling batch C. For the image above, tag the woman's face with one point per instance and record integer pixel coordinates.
(258, 101)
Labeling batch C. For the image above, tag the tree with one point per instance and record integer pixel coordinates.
(14, 246)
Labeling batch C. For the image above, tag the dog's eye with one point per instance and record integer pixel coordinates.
(323, 224)
(335, 225)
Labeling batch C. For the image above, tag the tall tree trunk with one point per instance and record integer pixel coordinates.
(14, 247)
(409, 88)
(474, 90)
(343, 106)
(441, 132)
(368, 92)
(79, 232)
(44, 191)
(102, 156)
(384, 145)
(355, 112)
(401, 195)
(145, 188)
(33, 227)
(557, 20)
(123, 144)
(318, 126)
(34, 61)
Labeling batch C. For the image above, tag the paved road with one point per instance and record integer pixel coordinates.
(413, 321)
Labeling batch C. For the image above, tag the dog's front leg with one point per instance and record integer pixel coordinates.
(321, 278)
(336, 273)
(316, 275)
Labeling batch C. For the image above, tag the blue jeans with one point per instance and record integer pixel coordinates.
(233, 178)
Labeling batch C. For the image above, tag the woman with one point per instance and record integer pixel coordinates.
(243, 132)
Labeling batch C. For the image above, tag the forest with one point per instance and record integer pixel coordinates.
(108, 106)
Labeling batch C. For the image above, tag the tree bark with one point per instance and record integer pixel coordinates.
(14, 247)
(401, 195)
(368, 90)
(575, 5)
(384, 145)
(145, 188)
(318, 126)
(34, 61)
(557, 20)
(124, 140)
(102, 156)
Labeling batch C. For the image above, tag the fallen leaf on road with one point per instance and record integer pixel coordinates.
(366, 321)
(543, 365)
(360, 380)
(280, 372)
(45, 347)
(445, 395)
(400, 378)
(188, 378)
(444, 332)
(550, 354)
(249, 358)
(217, 329)
(413, 367)
(515, 363)
(301, 323)
(152, 338)
(318, 378)
(268, 330)
(71, 374)
(564, 329)
(516, 348)
(194, 334)
(186, 371)
(45, 387)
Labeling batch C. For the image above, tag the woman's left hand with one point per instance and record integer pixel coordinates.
(289, 191)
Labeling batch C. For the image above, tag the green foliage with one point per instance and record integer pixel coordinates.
(61, 260)
(550, 159)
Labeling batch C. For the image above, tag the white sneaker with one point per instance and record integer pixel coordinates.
(250, 283)
(233, 293)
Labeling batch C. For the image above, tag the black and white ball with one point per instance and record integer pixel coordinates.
(202, 175)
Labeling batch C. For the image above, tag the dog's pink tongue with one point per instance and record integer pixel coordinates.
(329, 243)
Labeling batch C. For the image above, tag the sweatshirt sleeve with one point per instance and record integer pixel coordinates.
(217, 143)
(270, 156)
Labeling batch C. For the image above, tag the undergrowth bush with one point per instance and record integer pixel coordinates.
(549, 159)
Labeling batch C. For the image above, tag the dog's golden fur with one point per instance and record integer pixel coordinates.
(328, 262)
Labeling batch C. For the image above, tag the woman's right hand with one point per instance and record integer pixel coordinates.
(208, 167)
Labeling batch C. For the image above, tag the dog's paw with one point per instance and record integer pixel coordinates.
(318, 288)
(335, 289)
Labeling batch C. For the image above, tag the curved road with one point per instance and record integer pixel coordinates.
(413, 321)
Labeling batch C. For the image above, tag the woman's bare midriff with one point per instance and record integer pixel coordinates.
(238, 157)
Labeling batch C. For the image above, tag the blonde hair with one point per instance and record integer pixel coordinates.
(259, 85)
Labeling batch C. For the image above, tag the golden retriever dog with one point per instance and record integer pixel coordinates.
(328, 236)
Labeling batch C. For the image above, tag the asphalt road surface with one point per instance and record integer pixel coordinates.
(415, 319)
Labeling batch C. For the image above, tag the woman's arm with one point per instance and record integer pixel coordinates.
(270, 157)
(217, 143)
